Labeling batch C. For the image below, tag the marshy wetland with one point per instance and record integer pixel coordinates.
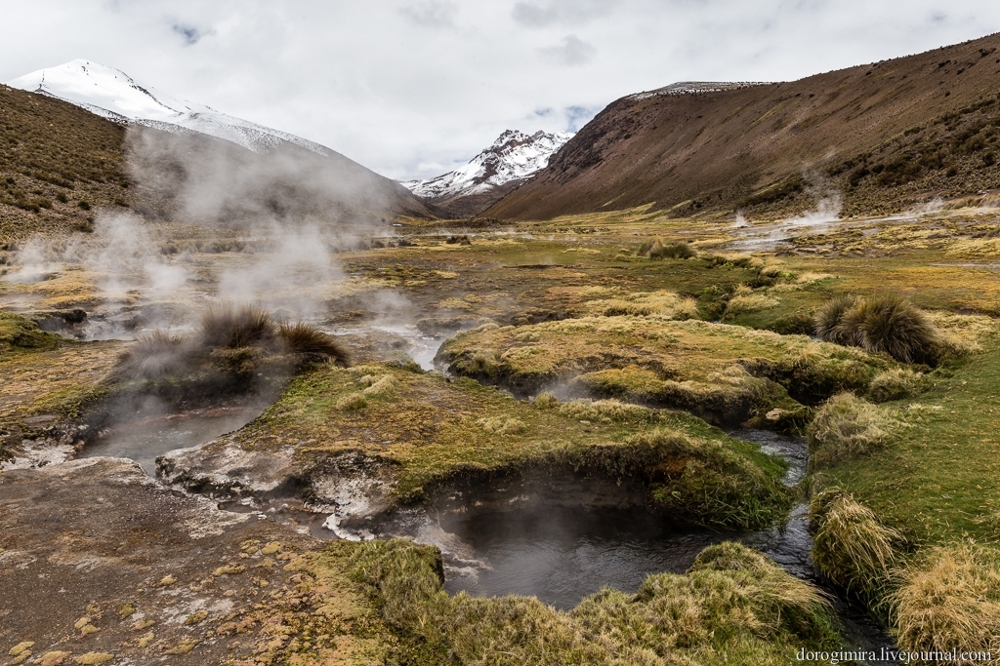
(603, 439)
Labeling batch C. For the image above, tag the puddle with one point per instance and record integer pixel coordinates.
(146, 439)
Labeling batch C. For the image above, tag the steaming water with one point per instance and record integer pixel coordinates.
(560, 556)
(145, 440)
(563, 555)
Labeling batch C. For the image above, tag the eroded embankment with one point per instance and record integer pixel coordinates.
(372, 439)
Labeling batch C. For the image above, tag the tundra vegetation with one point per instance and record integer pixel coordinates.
(579, 352)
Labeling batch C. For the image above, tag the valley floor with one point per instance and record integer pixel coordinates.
(591, 362)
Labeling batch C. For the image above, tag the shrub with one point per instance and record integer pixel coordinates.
(657, 249)
(897, 384)
(950, 600)
(846, 427)
(235, 327)
(153, 356)
(850, 546)
(310, 344)
(887, 323)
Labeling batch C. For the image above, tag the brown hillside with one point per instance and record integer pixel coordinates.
(59, 164)
(885, 136)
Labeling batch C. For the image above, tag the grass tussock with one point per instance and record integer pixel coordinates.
(850, 546)
(829, 316)
(847, 427)
(897, 384)
(885, 323)
(950, 599)
(234, 348)
(733, 606)
(658, 249)
(229, 326)
(310, 344)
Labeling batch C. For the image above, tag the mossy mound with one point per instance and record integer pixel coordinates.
(733, 606)
(18, 332)
(432, 432)
(722, 373)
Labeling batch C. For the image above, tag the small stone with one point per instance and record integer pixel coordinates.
(92, 658)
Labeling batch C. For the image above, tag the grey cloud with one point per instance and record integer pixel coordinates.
(573, 51)
(539, 14)
(431, 13)
(189, 33)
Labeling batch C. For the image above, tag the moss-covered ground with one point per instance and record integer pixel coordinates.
(433, 430)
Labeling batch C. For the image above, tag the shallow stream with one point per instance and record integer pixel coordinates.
(146, 438)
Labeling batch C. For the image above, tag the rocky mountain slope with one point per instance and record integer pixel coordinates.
(509, 161)
(876, 138)
(61, 162)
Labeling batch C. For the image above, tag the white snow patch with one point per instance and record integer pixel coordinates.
(113, 94)
(513, 156)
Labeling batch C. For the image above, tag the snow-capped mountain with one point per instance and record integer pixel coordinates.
(113, 94)
(513, 157)
(695, 88)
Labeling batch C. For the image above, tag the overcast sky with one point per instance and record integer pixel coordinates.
(412, 88)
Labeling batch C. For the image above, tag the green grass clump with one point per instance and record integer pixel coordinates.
(658, 249)
(234, 327)
(850, 546)
(828, 318)
(17, 332)
(733, 606)
(950, 599)
(705, 479)
(846, 427)
(722, 373)
(235, 348)
(311, 345)
(886, 323)
(897, 384)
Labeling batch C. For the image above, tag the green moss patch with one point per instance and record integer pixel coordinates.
(432, 431)
(721, 372)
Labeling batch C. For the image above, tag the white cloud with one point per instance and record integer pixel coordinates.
(572, 51)
(408, 87)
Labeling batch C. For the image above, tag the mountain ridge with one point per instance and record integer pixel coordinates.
(509, 161)
(878, 135)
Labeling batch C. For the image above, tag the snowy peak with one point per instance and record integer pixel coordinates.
(695, 88)
(115, 95)
(513, 157)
